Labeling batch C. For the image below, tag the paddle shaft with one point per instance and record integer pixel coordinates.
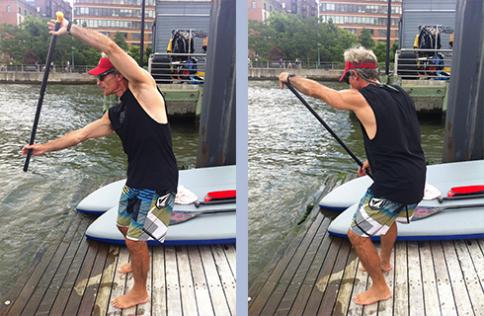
(326, 126)
(460, 197)
(50, 55)
(429, 211)
(213, 202)
(178, 217)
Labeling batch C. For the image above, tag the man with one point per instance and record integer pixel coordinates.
(141, 122)
(396, 161)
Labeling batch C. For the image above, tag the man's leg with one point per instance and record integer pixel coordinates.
(125, 268)
(138, 251)
(366, 251)
(387, 242)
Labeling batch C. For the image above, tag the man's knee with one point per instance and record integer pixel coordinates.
(123, 230)
(135, 245)
(355, 239)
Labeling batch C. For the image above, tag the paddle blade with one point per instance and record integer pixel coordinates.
(220, 195)
(465, 190)
(424, 212)
(178, 217)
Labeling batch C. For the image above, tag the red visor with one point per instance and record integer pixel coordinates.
(349, 65)
(103, 66)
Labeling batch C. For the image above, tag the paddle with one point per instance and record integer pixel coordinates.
(214, 202)
(218, 197)
(422, 212)
(466, 190)
(50, 53)
(178, 217)
(326, 126)
(460, 197)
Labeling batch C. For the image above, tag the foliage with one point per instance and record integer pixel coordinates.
(366, 40)
(120, 39)
(380, 51)
(134, 52)
(290, 36)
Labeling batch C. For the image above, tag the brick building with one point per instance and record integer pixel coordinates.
(14, 11)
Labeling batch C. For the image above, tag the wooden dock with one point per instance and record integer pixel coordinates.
(317, 275)
(79, 277)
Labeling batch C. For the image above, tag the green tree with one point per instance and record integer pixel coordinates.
(380, 51)
(120, 39)
(366, 39)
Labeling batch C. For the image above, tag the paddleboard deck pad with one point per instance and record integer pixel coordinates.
(442, 176)
(209, 229)
(199, 181)
(465, 223)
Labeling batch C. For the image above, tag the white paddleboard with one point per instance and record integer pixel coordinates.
(199, 181)
(209, 229)
(441, 176)
(466, 223)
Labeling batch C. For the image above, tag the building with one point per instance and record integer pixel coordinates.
(417, 13)
(355, 16)
(14, 11)
(116, 16)
(48, 8)
(260, 10)
(192, 16)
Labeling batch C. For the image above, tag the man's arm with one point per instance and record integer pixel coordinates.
(124, 63)
(98, 128)
(348, 99)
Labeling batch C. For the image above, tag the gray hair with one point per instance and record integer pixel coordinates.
(359, 54)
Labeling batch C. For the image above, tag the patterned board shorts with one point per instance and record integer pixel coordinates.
(374, 216)
(145, 213)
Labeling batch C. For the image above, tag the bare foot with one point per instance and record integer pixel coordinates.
(132, 298)
(372, 295)
(125, 268)
(385, 267)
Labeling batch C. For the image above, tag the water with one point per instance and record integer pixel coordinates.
(290, 156)
(35, 207)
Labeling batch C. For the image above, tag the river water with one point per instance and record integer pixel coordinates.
(290, 156)
(36, 206)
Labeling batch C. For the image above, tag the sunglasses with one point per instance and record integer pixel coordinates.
(104, 74)
(347, 76)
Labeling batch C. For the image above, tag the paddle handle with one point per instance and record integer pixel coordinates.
(326, 126)
(50, 55)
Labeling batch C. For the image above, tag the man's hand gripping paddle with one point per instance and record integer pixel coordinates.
(50, 55)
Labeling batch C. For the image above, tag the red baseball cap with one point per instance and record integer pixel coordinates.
(349, 65)
(103, 66)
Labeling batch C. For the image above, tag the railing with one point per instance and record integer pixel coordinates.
(41, 68)
(294, 64)
(178, 68)
(418, 64)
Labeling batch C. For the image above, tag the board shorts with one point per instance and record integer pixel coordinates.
(145, 213)
(375, 216)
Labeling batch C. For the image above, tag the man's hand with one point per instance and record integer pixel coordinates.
(62, 27)
(283, 78)
(37, 149)
(363, 169)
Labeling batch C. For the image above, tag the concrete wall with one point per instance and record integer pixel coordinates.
(54, 77)
(273, 73)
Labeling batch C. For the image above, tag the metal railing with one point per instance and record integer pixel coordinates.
(294, 64)
(41, 68)
(177, 68)
(421, 64)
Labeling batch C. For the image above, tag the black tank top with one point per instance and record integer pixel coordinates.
(395, 155)
(151, 161)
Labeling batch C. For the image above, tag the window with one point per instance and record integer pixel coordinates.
(254, 4)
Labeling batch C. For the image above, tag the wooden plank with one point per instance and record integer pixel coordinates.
(463, 303)
(189, 302)
(56, 283)
(128, 286)
(232, 258)
(400, 295)
(311, 277)
(219, 301)
(260, 294)
(119, 281)
(82, 280)
(145, 309)
(314, 301)
(477, 255)
(415, 289)
(430, 294)
(173, 296)
(346, 288)
(444, 288)
(102, 303)
(228, 281)
(329, 299)
(68, 283)
(371, 309)
(89, 298)
(385, 308)
(22, 301)
(158, 287)
(204, 302)
(474, 289)
(299, 275)
(360, 284)
(287, 272)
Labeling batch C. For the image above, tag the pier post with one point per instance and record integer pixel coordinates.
(464, 126)
(217, 120)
